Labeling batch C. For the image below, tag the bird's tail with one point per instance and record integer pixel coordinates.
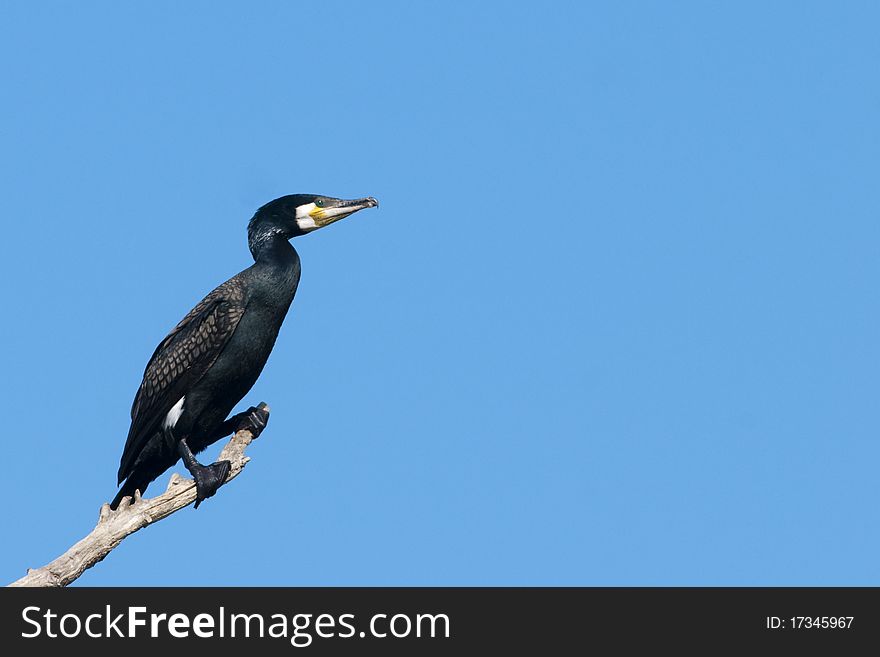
(131, 484)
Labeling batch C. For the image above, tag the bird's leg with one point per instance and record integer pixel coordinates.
(208, 477)
(253, 419)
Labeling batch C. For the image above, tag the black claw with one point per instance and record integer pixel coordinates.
(255, 420)
(209, 478)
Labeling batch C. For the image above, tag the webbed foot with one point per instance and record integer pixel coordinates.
(209, 478)
(254, 419)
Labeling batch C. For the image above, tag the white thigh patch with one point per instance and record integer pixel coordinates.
(174, 414)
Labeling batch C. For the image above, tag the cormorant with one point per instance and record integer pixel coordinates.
(213, 357)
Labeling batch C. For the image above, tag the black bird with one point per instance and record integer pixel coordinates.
(213, 357)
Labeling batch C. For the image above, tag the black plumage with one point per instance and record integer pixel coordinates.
(212, 358)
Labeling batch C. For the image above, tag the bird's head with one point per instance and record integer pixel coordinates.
(298, 214)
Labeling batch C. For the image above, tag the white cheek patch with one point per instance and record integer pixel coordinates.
(303, 217)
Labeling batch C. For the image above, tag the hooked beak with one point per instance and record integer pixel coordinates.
(333, 210)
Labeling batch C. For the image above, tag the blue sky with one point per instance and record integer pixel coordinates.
(614, 323)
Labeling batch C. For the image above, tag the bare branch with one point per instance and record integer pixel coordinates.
(114, 526)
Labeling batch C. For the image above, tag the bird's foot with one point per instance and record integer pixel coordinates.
(209, 478)
(254, 419)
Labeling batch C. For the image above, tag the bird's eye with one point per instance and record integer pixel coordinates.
(319, 203)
